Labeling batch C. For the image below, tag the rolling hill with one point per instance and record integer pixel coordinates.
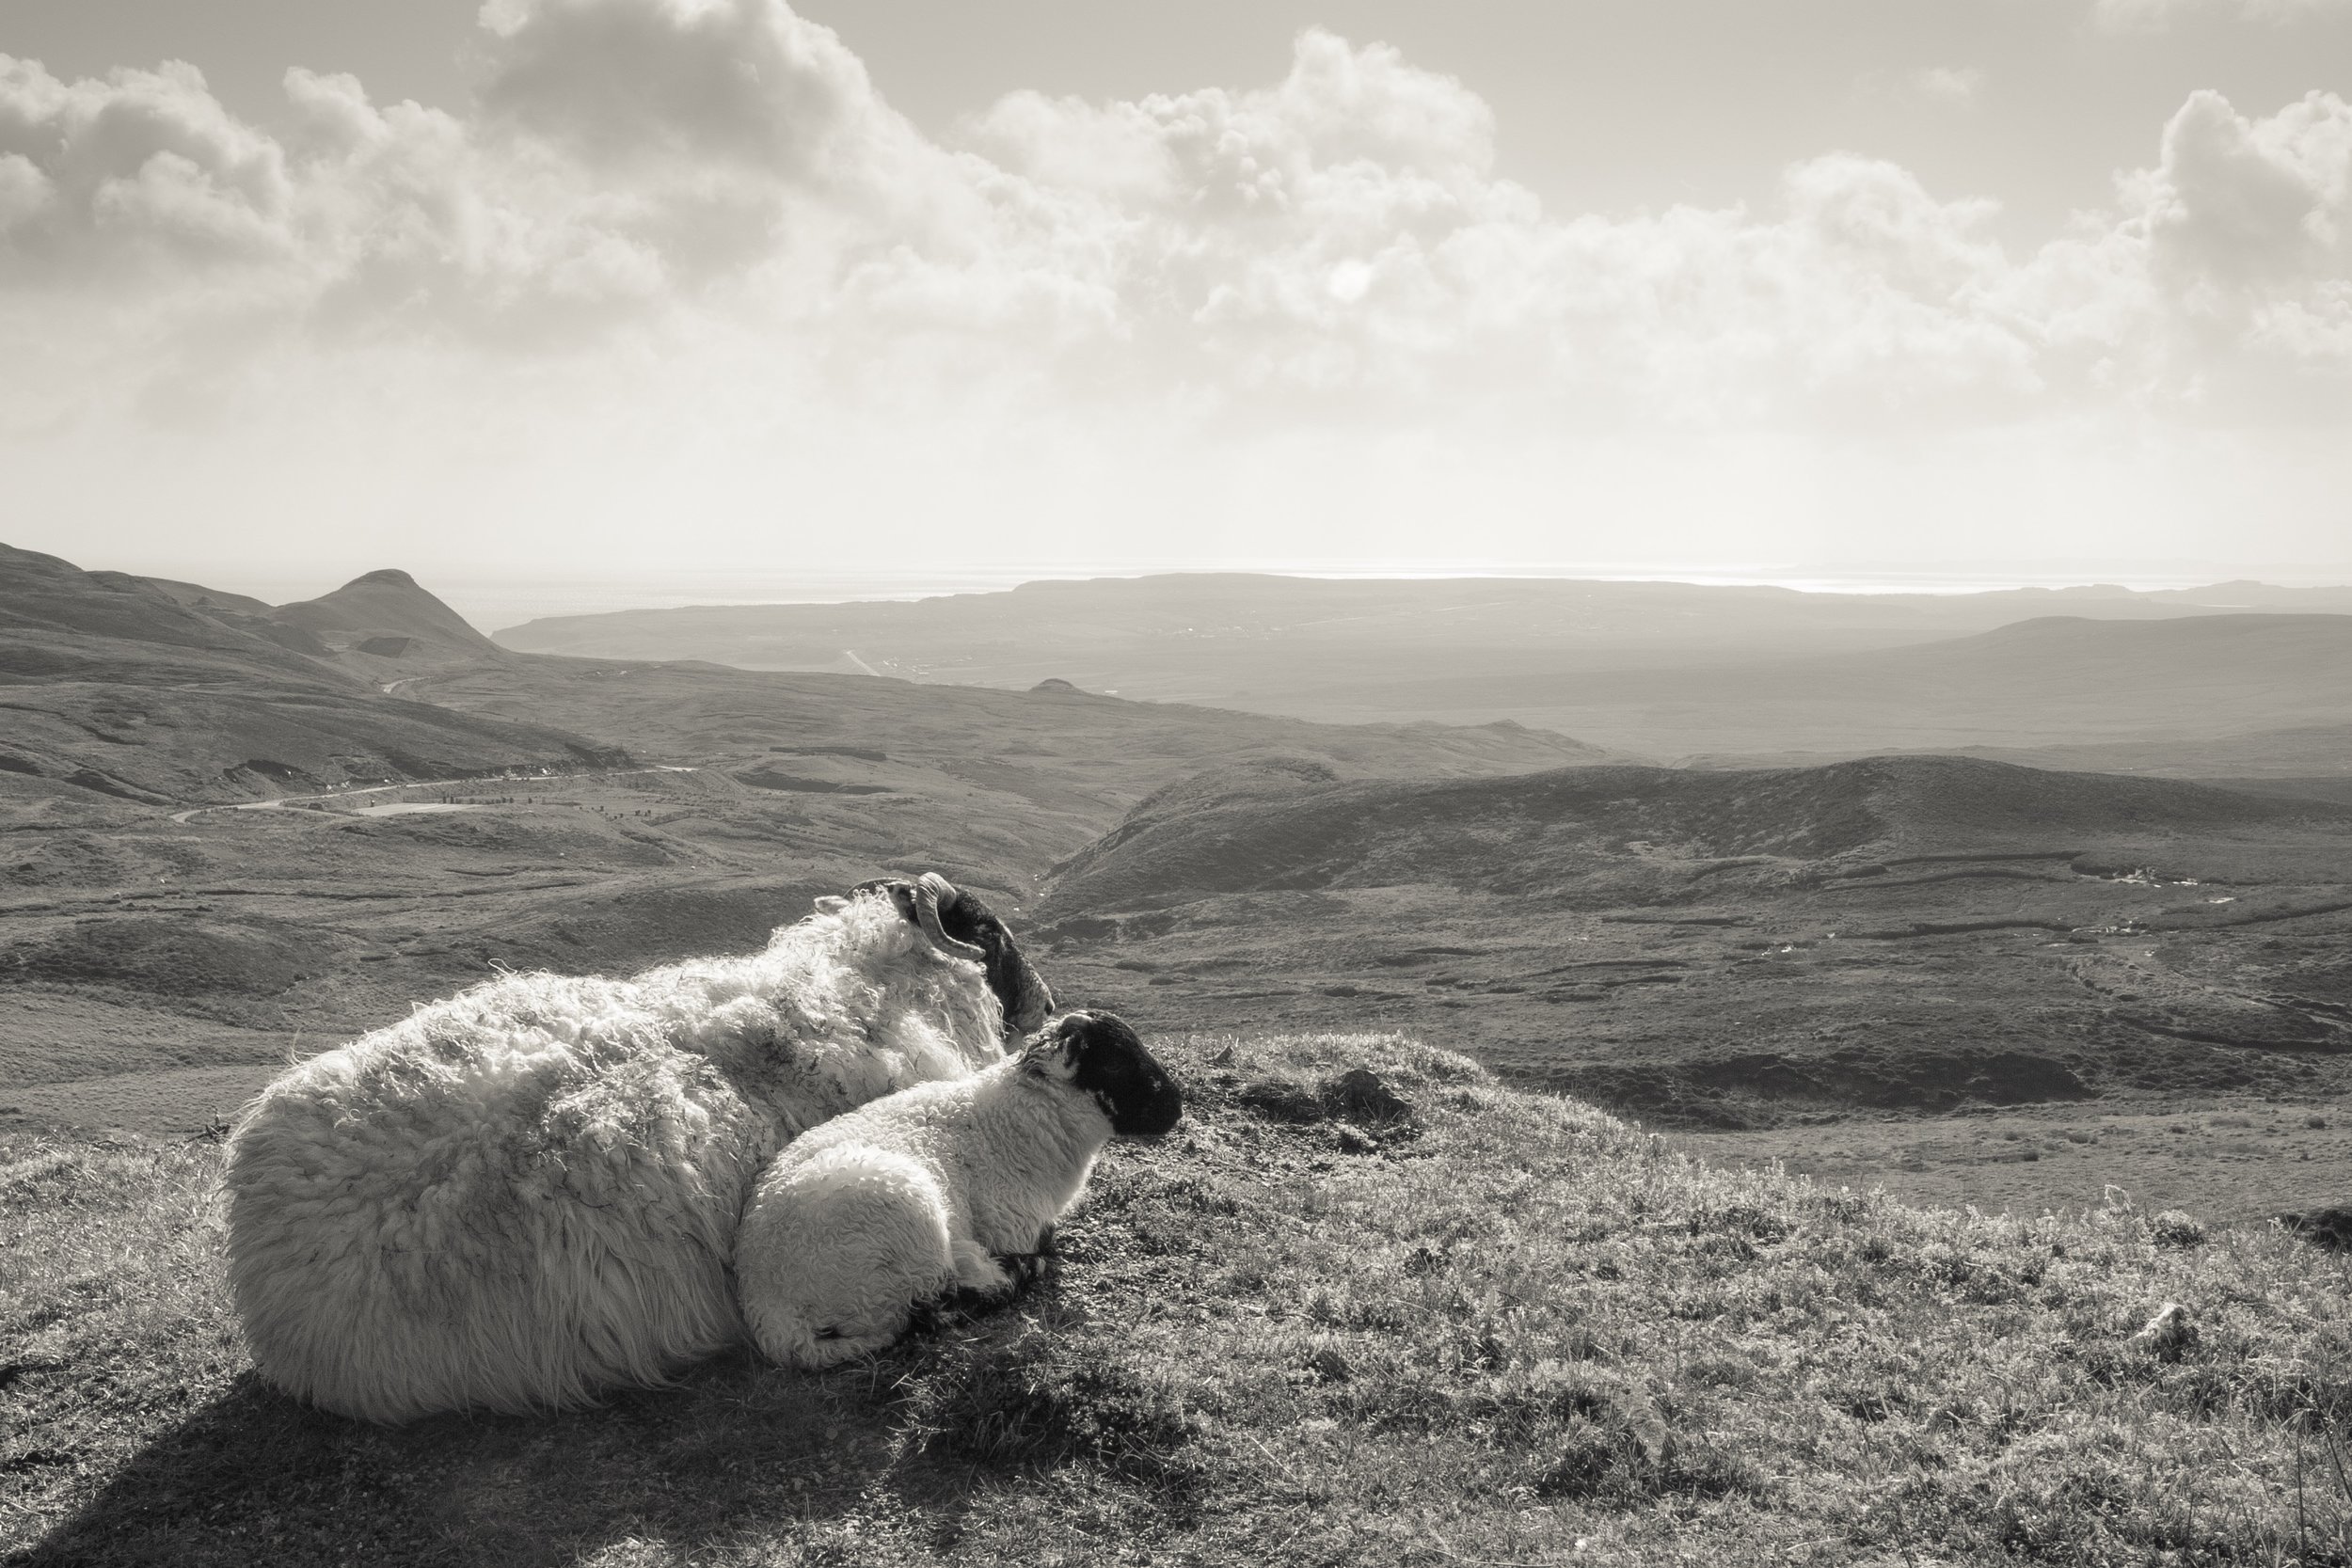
(218, 835)
(168, 695)
(2051, 682)
(1884, 938)
(1660, 670)
(1546, 834)
(1889, 936)
(1164, 634)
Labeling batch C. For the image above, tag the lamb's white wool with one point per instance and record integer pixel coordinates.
(528, 1193)
(901, 1200)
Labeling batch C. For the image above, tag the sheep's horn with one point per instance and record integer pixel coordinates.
(926, 902)
(941, 886)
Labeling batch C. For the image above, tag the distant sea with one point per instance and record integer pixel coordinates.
(497, 602)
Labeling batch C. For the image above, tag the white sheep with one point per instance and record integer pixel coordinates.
(861, 1221)
(528, 1193)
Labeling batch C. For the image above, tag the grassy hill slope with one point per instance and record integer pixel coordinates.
(1482, 1327)
(1266, 828)
(1781, 949)
(151, 923)
(165, 694)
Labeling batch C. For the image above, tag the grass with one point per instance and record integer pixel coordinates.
(1490, 1328)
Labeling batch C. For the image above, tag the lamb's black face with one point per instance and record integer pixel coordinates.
(1108, 1060)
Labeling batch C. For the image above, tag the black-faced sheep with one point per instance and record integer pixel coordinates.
(858, 1222)
(528, 1193)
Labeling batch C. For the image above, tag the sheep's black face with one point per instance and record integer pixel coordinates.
(1027, 1001)
(1109, 1061)
(1022, 993)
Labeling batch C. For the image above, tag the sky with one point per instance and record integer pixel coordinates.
(627, 290)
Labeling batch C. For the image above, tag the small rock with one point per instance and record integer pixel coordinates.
(2169, 1333)
(2331, 1228)
(1360, 1096)
(1279, 1102)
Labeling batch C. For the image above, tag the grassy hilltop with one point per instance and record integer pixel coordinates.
(1431, 1321)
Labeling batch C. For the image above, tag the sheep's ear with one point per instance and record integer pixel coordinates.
(1052, 1052)
(832, 904)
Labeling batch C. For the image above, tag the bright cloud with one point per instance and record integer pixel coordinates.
(681, 250)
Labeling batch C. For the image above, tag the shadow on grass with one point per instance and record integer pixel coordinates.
(253, 1476)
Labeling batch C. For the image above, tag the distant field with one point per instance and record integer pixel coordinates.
(1814, 963)
(2237, 1164)
(180, 1101)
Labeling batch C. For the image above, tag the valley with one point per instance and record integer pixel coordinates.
(1970, 981)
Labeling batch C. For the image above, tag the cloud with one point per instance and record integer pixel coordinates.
(144, 169)
(2220, 282)
(1944, 86)
(745, 82)
(681, 256)
(1336, 244)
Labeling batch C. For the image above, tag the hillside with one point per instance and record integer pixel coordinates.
(1487, 1327)
(164, 694)
(1546, 834)
(1209, 626)
(228, 845)
(1656, 668)
(58, 619)
(2053, 682)
(1866, 942)
(385, 606)
(2064, 958)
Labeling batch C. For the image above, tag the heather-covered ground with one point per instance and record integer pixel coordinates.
(1483, 1326)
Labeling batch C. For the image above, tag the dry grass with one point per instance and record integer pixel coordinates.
(1504, 1329)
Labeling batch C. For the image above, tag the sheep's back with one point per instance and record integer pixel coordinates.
(838, 1010)
(528, 1192)
(494, 1208)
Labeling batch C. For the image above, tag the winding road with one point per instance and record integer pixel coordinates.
(281, 801)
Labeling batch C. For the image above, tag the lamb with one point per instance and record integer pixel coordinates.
(859, 1223)
(525, 1194)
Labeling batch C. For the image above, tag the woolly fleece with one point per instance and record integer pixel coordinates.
(528, 1193)
(916, 1194)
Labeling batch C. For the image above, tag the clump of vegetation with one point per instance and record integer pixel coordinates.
(1498, 1327)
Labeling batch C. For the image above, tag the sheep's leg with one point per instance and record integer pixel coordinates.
(978, 1273)
(1038, 1267)
(983, 1281)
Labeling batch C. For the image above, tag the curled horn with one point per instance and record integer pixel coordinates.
(930, 894)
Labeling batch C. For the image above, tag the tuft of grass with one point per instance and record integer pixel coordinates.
(1366, 1305)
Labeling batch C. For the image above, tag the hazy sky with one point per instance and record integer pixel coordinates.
(612, 286)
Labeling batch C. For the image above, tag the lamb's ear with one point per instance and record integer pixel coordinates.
(1053, 1051)
(832, 904)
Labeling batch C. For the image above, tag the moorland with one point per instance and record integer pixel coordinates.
(2237, 677)
(237, 831)
(1947, 1070)
(1484, 1326)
